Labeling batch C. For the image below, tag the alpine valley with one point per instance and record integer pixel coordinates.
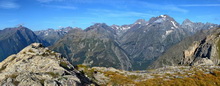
(117, 55)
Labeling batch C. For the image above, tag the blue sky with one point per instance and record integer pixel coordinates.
(44, 14)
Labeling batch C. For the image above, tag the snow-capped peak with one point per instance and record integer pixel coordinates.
(163, 16)
(137, 23)
(123, 27)
(140, 21)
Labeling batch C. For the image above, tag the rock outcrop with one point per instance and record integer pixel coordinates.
(204, 52)
(187, 54)
(198, 50)
(36, 65)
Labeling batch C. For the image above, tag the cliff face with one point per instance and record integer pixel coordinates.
(197, 50)
(187, 54)
(39, 66)
(204, 52)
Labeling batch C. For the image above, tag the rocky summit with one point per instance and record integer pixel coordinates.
(36, 65)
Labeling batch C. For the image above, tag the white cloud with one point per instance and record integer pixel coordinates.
(61, 7)
(116, 13)
(12, 20)
(174, 8)
(45, 1)
(200, 5)
(8, 5)
(162, 7)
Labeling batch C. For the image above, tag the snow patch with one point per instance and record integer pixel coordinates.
(121, 27)
(159, 20)
(125, 28)
(138, 23)
(168, 32)
(117, 27)
(174, 24)
(147, 23)
(163, 16)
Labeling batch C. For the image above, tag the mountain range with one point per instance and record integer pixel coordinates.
(129, 47)
(51, 35)
(158, 42)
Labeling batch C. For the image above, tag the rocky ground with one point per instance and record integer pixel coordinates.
(36, 65)
(166, 76)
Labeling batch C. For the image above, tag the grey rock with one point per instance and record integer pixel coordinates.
(199, 49)
(36, 65)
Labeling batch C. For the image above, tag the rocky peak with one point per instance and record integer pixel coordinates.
(15, 28)
(165, 16)
(116, 27)
(161, 18)
(53, 35)
(140, 21)
(39, 66)
(187, 22)
(121, 28)
(98, 26)
(165, 20)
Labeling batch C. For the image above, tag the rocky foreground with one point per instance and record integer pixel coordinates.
(36, 65)
(166, 76)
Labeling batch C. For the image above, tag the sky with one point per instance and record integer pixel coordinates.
(44, 14)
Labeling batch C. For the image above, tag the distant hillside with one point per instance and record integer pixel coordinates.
(12, 40)
(94, 46)
(51, 35)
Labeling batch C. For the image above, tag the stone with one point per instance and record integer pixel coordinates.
(36, 65)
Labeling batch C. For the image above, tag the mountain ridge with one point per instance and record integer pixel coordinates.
(12, 40)
(142, 42)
